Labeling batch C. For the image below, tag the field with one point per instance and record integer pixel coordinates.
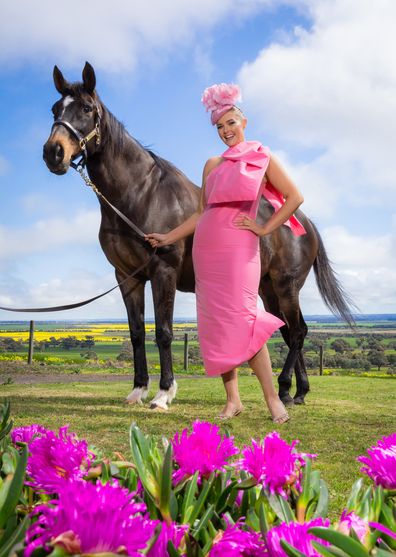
(342, 418)
(90, 347)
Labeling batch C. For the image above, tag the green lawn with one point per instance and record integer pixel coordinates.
(343, 416)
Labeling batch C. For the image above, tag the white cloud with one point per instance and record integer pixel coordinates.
(333, 88)
(53, 233)
(114, 37)
(365, 267)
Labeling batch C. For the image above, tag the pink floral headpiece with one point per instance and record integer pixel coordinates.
(220, 98)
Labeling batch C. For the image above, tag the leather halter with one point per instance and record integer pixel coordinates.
(82, 140)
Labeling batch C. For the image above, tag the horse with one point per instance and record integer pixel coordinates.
(157, 196)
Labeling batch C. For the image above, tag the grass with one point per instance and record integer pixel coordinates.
(342, 418)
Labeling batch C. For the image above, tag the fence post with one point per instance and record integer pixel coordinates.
(31, 341)
(186, 351)
(321, 359)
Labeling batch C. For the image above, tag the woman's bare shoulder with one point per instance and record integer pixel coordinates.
(211, 164)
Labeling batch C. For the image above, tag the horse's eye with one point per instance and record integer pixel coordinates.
(87, 108)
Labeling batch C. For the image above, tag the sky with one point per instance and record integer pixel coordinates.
(318, 82)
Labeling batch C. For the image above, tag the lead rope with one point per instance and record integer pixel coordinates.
(88, 181)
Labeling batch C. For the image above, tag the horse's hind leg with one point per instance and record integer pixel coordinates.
(302, 382)
(133, 295)
(163, 285)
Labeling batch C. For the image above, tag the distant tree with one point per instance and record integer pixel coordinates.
(377, 358)
(126, 354)
(89, 355)
(88, 343)
(340, 346)
(194, 355)
(67, 343)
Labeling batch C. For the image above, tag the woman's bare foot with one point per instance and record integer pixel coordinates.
(278, 411)
(230, 410)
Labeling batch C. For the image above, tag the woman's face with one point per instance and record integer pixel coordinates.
(231, 128)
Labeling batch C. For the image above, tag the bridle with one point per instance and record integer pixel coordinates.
(82, 140)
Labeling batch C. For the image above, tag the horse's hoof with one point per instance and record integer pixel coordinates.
(156, 407)
(137, 395)
(299, 400)
(160, 400)
(287, 400)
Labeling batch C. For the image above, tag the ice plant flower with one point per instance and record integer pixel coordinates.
(203, 450)
(26, 434)
(274, 463)
(350, 520)
(90, 518)
(380, 464)
(297, 535)
(172, 532)
(56, 458)
(234, 542)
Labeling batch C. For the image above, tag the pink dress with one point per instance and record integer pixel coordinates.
(231, 328)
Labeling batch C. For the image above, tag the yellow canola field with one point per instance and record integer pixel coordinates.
(112, 332)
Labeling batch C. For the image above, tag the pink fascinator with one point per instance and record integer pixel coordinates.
(220, 98)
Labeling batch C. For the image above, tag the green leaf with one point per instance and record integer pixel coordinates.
(328, 551)
(282, 508)
(263, 520)
(16, 486)
(202, 498)
(189, 497)
(248, 483)
(166, 483)
(17, 535)
(347, 544)
(203, 520)
(172, 551)
(223, 498)
(290, 550)
(354, 496)
(322, 506)
(252, 520)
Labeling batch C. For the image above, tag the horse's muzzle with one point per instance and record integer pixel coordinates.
(54, 158)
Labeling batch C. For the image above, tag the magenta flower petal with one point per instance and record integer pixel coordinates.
(234, 542)
(55, 458)
(174, 533)
(26, 434)
(274, 463)
(350, 520)
(383, 529)
(203, 450)
(295, 534)
(380, 464)
(90, 518)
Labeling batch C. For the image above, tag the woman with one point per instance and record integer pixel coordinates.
(231, 329)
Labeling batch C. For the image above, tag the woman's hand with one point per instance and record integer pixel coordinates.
(157, 240)
(244, 222)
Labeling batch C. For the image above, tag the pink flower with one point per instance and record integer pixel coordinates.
(234, 542)
(174, 533)
(220, 95)
(56, 458)
(26, 434)
(89, 518)
(381, 462)
(274, 464)
(204, 450)
(350, 520)
(295, 534)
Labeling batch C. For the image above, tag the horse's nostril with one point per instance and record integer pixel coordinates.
(53, 153)
(59, 153)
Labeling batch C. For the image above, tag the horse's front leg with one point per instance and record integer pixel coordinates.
(133, 294)
(163, 284)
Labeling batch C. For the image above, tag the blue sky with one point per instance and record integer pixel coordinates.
(318, 82)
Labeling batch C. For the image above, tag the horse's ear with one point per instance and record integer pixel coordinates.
(89, 78)
(60, 82)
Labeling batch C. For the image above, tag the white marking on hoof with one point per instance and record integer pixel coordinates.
(137, 395)
(160, 400)
(172, 392)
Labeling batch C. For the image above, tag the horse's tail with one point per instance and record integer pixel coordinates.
(333, 294)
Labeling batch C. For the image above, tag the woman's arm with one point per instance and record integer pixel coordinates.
(277, 176)
(188, 226)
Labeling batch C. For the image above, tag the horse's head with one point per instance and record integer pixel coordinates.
(76, 128)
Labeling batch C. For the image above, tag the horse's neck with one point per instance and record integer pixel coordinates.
(119, 168)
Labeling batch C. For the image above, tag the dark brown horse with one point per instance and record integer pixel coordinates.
(156, 196)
